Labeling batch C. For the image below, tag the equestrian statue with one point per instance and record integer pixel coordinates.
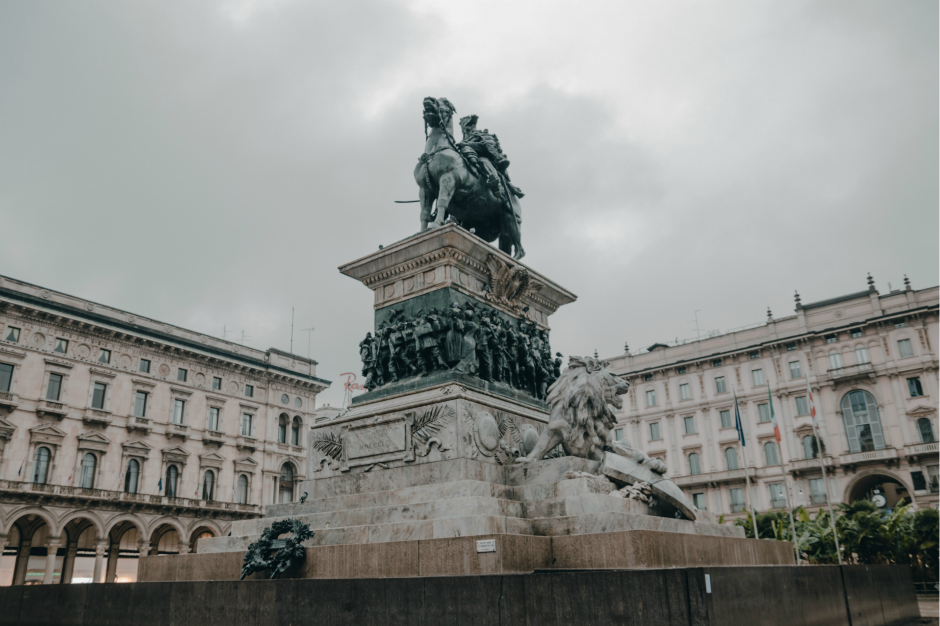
(467, 182)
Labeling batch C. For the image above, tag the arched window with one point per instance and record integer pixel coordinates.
(295, 432)
(695, 467)
(172, 477)
(130, 477)
(731, 457)
(286, 483)
(282, 429)
(208, 484)
(862, 424)
(41, 465)
(770, 453)
(926, 430)
(242, 489)
(810, 449)
(89, 462)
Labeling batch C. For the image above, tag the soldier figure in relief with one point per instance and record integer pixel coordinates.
(427, 333)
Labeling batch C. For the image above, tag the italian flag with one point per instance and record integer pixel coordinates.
(773, 416)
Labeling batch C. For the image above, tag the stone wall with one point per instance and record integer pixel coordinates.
(771, 596)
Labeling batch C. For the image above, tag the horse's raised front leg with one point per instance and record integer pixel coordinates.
(446, 187)
(426, 201)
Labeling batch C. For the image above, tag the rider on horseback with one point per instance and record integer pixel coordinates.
(482, 150)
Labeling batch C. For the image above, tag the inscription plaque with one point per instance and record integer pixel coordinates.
(375, 439)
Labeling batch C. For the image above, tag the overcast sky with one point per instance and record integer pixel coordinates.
(211, 164)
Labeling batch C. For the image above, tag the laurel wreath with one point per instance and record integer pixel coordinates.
(259, 557)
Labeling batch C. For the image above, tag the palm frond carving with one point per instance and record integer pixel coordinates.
(428, 423)
(328, 444)
(506, 423)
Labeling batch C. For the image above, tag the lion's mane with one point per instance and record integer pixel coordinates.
(581, 392)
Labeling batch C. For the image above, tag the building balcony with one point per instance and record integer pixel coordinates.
(817, 498)
(862, 370)
(921, 449)
(246, 443)
(9, 401)
(802, 466)
(57, 410)
(873, 456)
(104, 498)
(778, 504)
(214, 437)
(142, 424)
(97, 417)
(177, 430)
(713, 477)
(737, 507)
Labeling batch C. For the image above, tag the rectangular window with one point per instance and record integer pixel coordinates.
(654, 431)
(817, 491)
(861, 356)
(777, 498)
(647, 377)
(250, 391)
(831, 339)
(55, 387)
(698, 499)
(681, 370)
(720, 384)
(856, 333)
(618, 435)
(835, 361)
(758, 377)
(754, 354)
(684, 392)
(689, 425)
(763, 410)
(6, 377)
(97, 396)
(795, 370)
(216, 382)
(716, 362)
(13, 334)
(145, 366)
(651, 397)
(140, 404)
(791, 346)
(802, 406)
(246, 425)
(933, 478)
(181, 374)
(178, 406)
(725, 419)
(104, 356)
(737, 500)
(913, 385)
(904, 345)
(61, 345)
(213, 418)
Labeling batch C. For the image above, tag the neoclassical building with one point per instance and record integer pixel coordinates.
(123, 436)
(871, 362)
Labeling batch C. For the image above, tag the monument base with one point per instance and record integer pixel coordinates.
(875, 595)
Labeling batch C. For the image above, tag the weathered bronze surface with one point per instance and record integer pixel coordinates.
(259, 557)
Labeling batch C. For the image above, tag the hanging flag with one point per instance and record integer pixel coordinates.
(773, 416)
(812, 410)
(21, 467)
(737, 420)
(160, 486)
(72, 475)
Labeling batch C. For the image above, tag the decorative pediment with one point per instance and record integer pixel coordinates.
(211, 459)
(9, 353)
(137, 448)
(805, 429)
(253, 408)
(922, 411)
(93, 441)
(47, 433)
(246, 464)
(213, 400)
(177, 391)
(6, 429)
(175, 453)
(97, 371)
(58, 363)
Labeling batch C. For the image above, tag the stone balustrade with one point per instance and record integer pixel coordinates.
(868, 457)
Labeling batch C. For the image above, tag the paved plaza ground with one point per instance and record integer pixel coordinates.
(929, 610)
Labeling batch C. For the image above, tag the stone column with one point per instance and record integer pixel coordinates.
(100, 548)
(52, 546)
(183, 547)
(68, 566)
(143, 548)
(113, 556)
(22, 560)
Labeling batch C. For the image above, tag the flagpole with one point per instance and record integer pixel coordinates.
(783, 470)
(822, 468)
(747, 479)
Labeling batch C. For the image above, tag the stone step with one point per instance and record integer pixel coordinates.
(594, 523)
(473, 525)
(423, 511)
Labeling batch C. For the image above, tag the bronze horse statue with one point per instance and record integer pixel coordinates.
(446, 177)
